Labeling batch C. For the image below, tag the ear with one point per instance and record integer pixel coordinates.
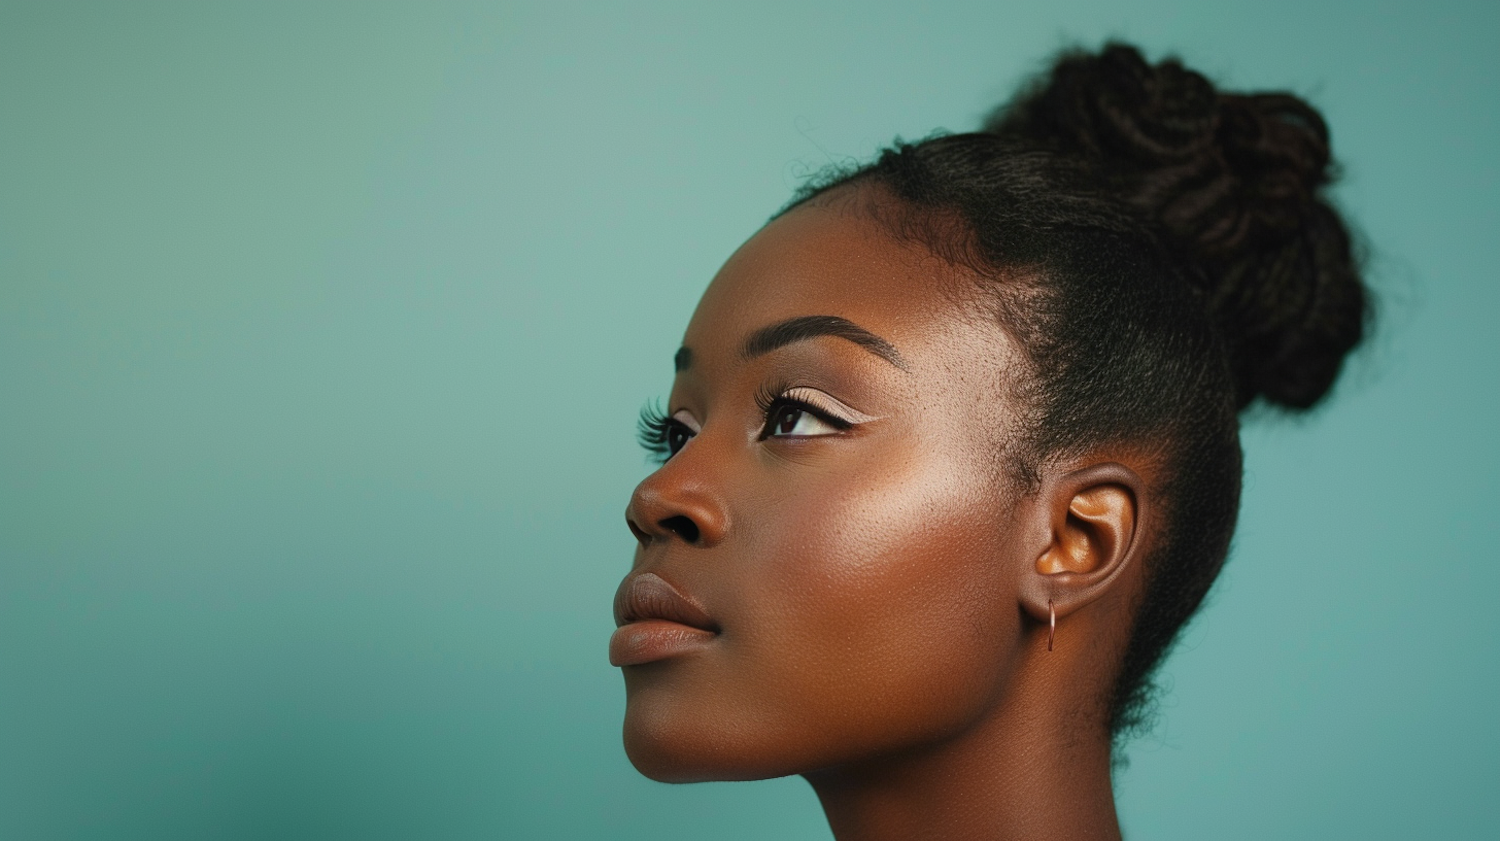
(1093, 516)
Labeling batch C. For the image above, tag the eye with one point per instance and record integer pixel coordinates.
(661, 435)
(791, 419)
(677, 434)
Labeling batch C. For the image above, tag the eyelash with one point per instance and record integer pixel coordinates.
(772, 399)
(655, 427)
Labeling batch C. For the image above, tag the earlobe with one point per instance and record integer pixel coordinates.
(1094, 515)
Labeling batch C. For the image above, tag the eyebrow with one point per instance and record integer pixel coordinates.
(799, 329)
(805, 327)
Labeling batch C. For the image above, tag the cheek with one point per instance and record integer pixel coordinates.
(888, 609)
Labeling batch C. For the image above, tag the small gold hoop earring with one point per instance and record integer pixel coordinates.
(1051, 624)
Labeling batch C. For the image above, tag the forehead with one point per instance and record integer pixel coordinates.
(836, 260)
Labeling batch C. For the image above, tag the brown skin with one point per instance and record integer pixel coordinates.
(881, 593)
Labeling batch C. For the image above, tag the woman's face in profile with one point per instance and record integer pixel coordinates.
(827, 566)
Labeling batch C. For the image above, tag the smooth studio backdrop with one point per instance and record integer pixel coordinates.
(323, 327)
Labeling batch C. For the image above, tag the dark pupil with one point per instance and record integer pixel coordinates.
(676, 437)
(786, 419)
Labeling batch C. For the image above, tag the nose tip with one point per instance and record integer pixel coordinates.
(666, 508)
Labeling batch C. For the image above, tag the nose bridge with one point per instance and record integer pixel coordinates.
(682, 500)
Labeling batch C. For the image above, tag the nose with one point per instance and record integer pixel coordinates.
(677, 503)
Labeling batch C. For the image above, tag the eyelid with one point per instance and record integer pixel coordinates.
(827, 404)
(684, 417)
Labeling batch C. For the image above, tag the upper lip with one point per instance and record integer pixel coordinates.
(649, 596)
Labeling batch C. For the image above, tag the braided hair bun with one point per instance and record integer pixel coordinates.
(1235, 184)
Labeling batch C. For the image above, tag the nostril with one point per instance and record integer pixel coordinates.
(640, 534)
(681, 526)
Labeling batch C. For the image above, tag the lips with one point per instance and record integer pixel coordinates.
(656, 622)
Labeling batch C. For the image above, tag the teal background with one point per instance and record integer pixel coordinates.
(323, 327)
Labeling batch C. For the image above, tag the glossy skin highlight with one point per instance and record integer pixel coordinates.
(872, 579)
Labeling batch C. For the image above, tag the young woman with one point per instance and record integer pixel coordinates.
(952, 451)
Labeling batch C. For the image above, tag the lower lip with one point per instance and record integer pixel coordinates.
(650, 640)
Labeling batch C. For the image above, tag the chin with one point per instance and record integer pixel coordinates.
(671, 747)
(676, 737)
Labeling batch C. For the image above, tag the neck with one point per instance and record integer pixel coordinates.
(1014, 775)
